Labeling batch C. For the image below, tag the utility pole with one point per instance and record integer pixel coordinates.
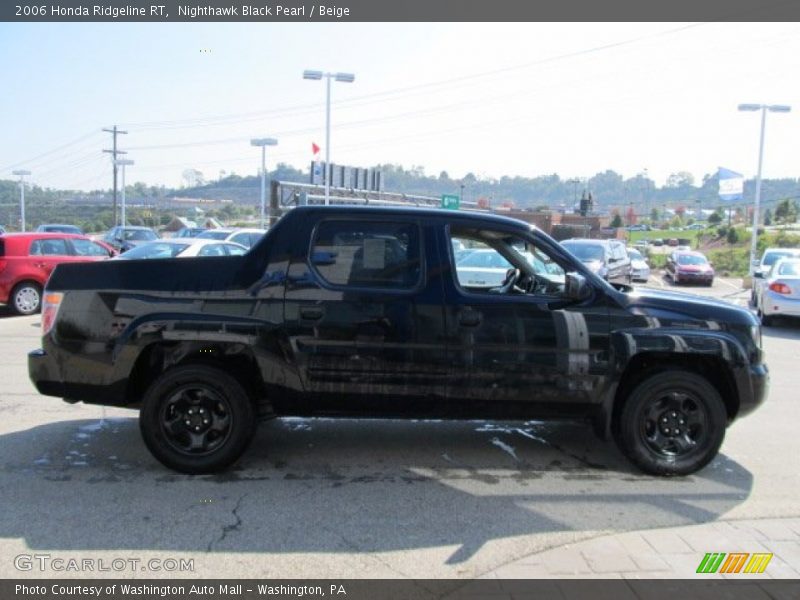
(114, 131)
(21, 174)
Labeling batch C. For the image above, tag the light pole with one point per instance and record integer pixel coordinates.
(763, 108)
(344, 78)
(22, 174)
(123, 162)
(263, 143)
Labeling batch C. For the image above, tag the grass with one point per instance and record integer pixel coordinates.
(665, 234)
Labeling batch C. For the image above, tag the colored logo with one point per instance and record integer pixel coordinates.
(734, 562)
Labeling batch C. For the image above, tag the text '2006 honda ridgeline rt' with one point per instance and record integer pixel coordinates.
(342, 311)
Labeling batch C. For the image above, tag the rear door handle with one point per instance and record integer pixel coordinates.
(311, 313)
(469, 318)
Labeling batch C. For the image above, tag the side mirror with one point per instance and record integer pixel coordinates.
(758, 275)
(576, 287)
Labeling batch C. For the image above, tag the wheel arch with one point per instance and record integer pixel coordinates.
(712, 368)
(236, 359)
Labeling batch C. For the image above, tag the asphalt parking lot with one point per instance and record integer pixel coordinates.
(322, 498)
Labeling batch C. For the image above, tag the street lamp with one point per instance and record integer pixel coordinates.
(780, 108)
(123, 162)
(263, 143)
(344, 78)
(22, 174)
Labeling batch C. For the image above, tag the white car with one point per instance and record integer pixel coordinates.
(487, 268)
(247, 237)
(768, 259)
(779, 293)
(182, 248)
(640, 270)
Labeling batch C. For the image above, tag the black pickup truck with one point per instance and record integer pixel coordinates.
(342, 311)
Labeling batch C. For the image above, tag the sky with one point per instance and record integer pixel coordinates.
(493, 99)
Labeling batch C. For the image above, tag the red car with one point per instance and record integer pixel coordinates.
(689, 267)
(27, 259)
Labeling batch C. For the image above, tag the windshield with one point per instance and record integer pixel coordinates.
(213, 235)
(634, 254)
(155, 250)
(585, 252)
(691, 259)
(772, 257)
(484, 259)
(139, 235)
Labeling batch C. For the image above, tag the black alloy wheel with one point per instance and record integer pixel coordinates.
(196, 419)
(672, 423)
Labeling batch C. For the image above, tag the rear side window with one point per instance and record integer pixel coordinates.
(367, 254)
(2, 247)
(51, 247)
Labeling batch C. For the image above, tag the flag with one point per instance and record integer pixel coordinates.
(731, 184)
(314, 148)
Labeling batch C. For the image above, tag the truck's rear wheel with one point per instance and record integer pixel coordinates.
(673, 423)
(196, 419)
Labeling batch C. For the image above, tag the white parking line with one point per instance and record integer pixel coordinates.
(729, 284)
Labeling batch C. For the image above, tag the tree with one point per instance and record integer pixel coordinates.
(715, 218)
(733, 236)
(616, 221)
(630, 216)
(680, 179)
(655, 215)
(768, 217)
(786, 211)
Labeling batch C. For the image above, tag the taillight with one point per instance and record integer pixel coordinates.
(780, 288)
(50, 305)
(3, 264)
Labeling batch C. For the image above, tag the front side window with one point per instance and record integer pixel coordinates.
(484, 260)
(88, 248)
(367, 254)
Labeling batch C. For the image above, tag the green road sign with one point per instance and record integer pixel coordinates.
(450, 201)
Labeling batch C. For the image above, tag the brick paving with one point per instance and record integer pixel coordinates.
(673, 552)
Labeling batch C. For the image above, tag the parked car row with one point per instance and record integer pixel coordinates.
(28, 259)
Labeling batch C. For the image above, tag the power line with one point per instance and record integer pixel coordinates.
(358, 100)
(48, 153)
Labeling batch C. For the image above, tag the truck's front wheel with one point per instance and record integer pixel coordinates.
(196, 419)
(673, 423)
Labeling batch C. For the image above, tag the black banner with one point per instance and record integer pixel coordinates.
(398, 10)
(422, 589)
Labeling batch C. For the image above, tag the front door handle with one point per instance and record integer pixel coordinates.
(311, 313)
(469, 318)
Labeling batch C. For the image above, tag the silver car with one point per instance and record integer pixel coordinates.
(779, 292)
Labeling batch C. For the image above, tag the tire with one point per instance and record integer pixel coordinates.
(683, 398)
(26, 298)
(201, 398)
(710, 283)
